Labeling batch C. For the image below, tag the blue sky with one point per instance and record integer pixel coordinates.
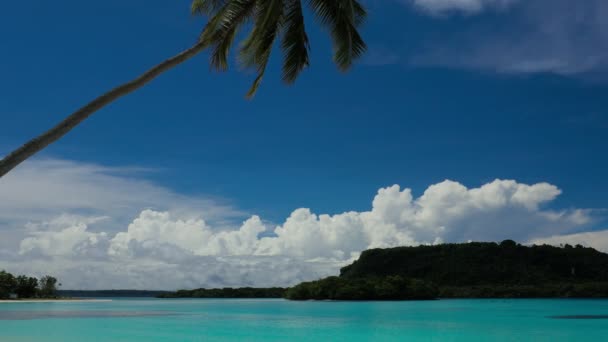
(328, 142)
(470, 91)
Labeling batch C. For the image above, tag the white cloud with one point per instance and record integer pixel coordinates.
(153, 229)
(467, 6)
(42, 188)
(595, 239)
(64, 236)
(563, 37)
(171, 248)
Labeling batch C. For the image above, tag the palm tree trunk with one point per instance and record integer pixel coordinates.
(37, 144)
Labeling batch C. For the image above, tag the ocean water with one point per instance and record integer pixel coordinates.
(280, 320)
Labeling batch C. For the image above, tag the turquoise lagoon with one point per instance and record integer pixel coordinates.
(280, 320)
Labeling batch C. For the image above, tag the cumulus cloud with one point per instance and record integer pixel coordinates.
(43, 190)
(162, 248)
(153, 229)
(466, 6)
(65, 235)
(595, 239)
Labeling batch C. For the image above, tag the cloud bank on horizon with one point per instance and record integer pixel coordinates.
(105, 228)
(562, 37)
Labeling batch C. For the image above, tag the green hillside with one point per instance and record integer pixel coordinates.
(470, 270)
(484, 263)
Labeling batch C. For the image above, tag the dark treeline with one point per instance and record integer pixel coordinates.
(109, 293)
(481, 263)
(27, 287)
(370, 288)
(243, 292)
(470, 270)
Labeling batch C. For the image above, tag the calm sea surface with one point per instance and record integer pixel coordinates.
(279, 320)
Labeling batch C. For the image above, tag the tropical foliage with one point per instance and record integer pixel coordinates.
(471, 270)
(370, 288)
(482, 263)
(274, 20)
(7, 284)
(546, 290)
(109, 293)
(243, 292)
(27, 287)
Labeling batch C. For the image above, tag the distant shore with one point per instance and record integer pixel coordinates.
(61, 300)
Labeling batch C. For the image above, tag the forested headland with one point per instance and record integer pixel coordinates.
(468, 270)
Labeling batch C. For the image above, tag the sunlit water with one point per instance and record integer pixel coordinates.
(279, 320)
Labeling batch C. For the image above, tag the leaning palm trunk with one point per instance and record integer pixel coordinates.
(272, 20)
(37, 144)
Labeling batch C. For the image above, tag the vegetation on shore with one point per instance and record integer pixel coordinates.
(548, 290)
(243, 292)
(371, 288)
(469, 270)
(109, 293)
(24, 287)
(491, 270)
(484, 263)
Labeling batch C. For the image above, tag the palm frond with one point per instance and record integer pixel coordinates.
(206, 7)
(342, 17)
(255, 50)
(295, 41)
(284, 20)
(358, 12)
(223, 27)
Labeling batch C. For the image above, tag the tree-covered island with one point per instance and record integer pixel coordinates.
(24, 287)
(468, 270)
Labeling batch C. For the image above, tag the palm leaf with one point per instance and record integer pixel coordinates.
(255, 50)
(342, 17)
(206, 7)
(223, 27)
(295, 41)
(279, 18)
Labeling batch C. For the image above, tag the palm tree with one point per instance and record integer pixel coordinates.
(270, 20)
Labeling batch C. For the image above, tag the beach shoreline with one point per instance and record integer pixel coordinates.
(63, 300)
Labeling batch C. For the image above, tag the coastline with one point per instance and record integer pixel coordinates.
(64, 300)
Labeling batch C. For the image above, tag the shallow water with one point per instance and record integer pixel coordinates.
(279, 320)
